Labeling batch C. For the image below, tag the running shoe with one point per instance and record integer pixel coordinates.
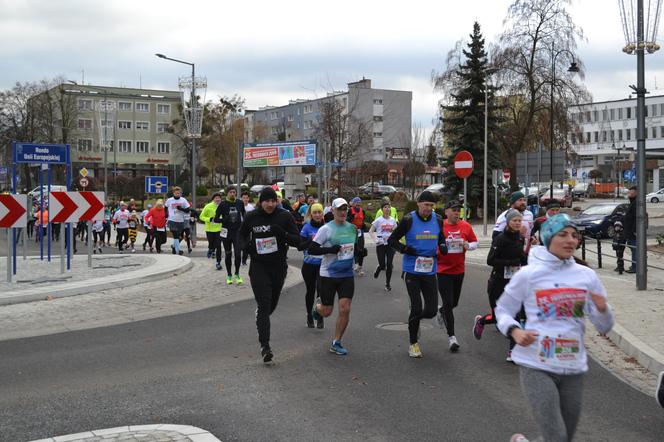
(414, 351)
(439, 320)
(218, 265)
(133, 250)
(453, 343)
(360, 272)
(180, 253)
(100, 250)
(173, 250)
(266, 353)
(94, 251)
(144, 245)
(377, 272)
(238, 279)
(337, 348)
(189, 250)
(388, 288)
(518, 437)
(478, 327)
(229, 280)
(151, 249)
(320, 323)
(314, 313)
(209, 254)
(310, 321)
(659, 393)
(509, 357)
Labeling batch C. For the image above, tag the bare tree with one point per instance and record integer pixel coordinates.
(415, 168)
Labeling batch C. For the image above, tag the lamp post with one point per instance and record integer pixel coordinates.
(191, 134)
(572, 68)
(485, 202)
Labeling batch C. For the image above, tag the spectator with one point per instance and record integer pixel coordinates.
(629, 224)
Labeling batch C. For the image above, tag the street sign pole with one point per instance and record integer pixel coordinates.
(62, 255)
(465, 199)
(89, 244)
(9, 256)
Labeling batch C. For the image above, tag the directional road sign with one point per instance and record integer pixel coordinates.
(71, 207)
(12, 210)
(463, 164)
(41, 153)
(156, 184)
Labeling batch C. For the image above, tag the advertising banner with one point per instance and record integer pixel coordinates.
(296, 153)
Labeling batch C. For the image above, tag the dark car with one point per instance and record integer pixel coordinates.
(597, 220)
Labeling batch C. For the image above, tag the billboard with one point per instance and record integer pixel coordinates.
(294, 153)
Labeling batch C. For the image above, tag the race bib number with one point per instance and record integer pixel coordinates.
(424, 264)
(265, 246)
(455, 245)
(224, 232)
(346, 252)
(559, 351)
(510, 271)
(161, 229)
(561, 303)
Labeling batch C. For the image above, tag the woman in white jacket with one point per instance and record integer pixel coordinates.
(557, 294)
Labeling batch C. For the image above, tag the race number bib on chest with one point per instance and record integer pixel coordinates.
(346, 252)
(455, 245)
(510, 271)
(560, 351)
(223, 232)
(161, 229)
(266, 245)
(424, 264)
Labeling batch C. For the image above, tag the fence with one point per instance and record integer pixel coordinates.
(608, 244)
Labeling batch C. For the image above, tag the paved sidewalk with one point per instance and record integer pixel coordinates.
(639, 314)
(139, 433)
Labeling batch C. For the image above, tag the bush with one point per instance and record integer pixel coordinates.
(201, 190)
(399, 197)
(410, 206)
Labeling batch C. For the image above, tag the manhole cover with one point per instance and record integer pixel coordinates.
(400, 326)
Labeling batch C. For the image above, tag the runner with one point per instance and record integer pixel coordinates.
(97, 236)
(356, 218)
(212, 229)
(518, 202)
(267, 232)
(157, 218)
(230, 214)
(336, 241)
(177, 209)
(552, 208)
(380, 232)
(557, 294)
(133, 230)
(459, 238)
(108, 216)
(149, 235)
(189, 227)
(506, 256)
(311, 264)
(424, 236)
(393, 210)
(121, 221)
(248, 207)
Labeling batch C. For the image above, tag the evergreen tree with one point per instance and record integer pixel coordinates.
(463, 121)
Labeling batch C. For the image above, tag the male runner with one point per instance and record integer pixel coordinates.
(121, 221)
(423, 230)
(336, 241)
(267, 232)
(518, 202)
(212, 229)
(248, 207)
(230, 214)
(459, 237)
(356, 217)
(177, 208)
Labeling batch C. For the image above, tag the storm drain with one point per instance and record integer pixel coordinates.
(400, 326)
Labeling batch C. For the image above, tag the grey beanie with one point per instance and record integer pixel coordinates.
(511, 214)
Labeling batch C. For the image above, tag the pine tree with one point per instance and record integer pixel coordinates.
(463, 122)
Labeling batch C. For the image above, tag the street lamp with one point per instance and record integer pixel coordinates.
(485, 202)
(572, 68)
(193, 115)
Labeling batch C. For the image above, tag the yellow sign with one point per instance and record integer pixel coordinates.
(83, 172)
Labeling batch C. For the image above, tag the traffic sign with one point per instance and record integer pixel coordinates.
(71, 207)
(629, 175)
(83, 182)
(156, 184)
(12, 210)
(463, 164)
(584, 175)
(574, 173)
(41, 153)
(506, 174)
(84, 172)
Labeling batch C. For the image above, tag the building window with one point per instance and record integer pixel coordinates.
(620, 113)
(163, 108)
(661, 109)
(142, 146)
(654, 132)
(612, 114)
(604, 115)
(628, 134)
(378, 101)
(124, 105)
(596, 137)
(142, 107)
(377, 118)
(273, 115)
(85, 145)
(580, 117)
(307, 124)
(653, 110)
(645, 109)
(124, 124)
(290, 118)
(106, 122)
(84, 124)
(162, 128)
(84, 104)
(124, 146)
(572, 137)
(613, 135)
(620, 135)
(142, 125)
(163, 147)
(595, 116)
(377, 134)
(603, 136)
(587, 137)
(661, 131)
(308, 108)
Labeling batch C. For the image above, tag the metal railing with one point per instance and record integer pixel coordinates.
(599, 241)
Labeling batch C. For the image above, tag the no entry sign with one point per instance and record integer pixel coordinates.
(463, 164)
(506, 174)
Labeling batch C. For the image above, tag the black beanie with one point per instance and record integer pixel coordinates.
(267, 193)
(426, 196)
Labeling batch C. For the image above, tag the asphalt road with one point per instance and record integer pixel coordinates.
(203, 369)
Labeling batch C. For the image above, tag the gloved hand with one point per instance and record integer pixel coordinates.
(443, 248)
(181, 209)
(335, 248)
(409, 250)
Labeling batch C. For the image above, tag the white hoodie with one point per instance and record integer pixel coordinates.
(556, 296)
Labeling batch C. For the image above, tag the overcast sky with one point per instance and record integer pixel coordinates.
(270, 52)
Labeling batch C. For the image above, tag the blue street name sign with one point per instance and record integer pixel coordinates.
(156, 184)
(574, 173)
(629, 175)
(40, 153)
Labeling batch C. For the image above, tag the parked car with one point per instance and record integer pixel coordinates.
(55, 188)
(562, 195)
(597, 220)
(256, 188)
(384, 190)
(369, 188)
(581, 190)
(655, 197)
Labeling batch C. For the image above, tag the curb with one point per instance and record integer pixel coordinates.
(634, 347)
(178, 264)
(194, 434)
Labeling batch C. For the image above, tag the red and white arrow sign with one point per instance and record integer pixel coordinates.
(70, 207)
(12, 211)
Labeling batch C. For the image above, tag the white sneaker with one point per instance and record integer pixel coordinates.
(414, 350)
(360, 271)
(509, 357)
(453, 343)
(438, 320)
(518, 438)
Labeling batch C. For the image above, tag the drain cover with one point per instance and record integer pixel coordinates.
(400, 326)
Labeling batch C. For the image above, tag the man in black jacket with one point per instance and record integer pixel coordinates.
(266, 234)
(629, 224)
(230, 214)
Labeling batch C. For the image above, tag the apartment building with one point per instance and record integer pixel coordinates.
(604, 138)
